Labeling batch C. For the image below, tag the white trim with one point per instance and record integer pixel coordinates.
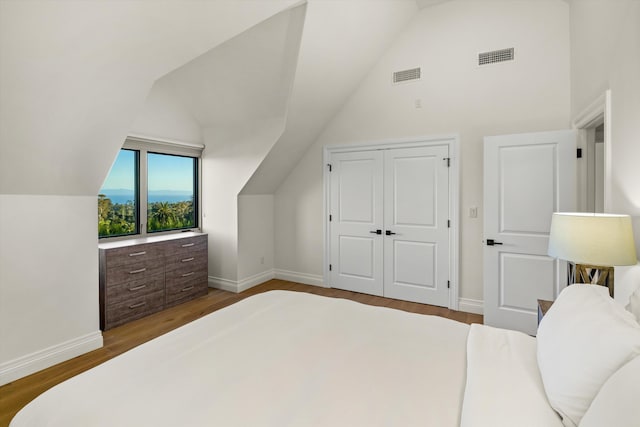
(591, 115)
(163, 141)
(608, 165)
(597, 112)
(452, 140)
(238, 286)
(255, 280)
(224, 284)
(469, 305)
(42, 359)
(294, 276)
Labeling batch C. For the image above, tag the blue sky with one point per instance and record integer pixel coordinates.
(173, 173)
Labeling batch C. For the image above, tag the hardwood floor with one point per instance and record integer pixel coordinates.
(15, 395)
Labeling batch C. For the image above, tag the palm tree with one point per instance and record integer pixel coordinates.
(163, 213)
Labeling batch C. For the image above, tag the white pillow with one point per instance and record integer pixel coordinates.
(634, 304)
(582, 340)
(617, 402)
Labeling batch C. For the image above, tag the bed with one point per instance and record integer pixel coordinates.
(294, 359)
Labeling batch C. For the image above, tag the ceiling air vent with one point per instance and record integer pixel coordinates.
(406, 75)
(495, 56)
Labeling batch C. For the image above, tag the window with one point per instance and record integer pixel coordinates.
(152, 187)
(118, 198)
(171, 190)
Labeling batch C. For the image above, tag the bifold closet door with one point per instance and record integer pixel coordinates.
(388, 228)
(356, 209)
(416, 214)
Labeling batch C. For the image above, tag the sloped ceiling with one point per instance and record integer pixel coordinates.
(341, 40)
(75, 74)
(245, 79)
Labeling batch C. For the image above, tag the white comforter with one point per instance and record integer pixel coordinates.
(279, 359)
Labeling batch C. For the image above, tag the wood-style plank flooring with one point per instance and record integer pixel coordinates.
(15, 395)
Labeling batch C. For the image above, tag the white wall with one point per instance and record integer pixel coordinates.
(606, 34)
(164, 117)
(256, 232)
(48, 281)
(530, 94)
(230, 157)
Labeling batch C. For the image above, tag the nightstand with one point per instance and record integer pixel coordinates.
(543, 307)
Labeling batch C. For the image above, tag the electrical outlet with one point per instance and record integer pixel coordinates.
(262, 260)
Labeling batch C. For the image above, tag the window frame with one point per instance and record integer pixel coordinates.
(144, 146)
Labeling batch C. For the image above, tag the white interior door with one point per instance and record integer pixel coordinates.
(356, 216)
(416, 241)
(527, 177)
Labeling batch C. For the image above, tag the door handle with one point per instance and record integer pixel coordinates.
(376, 232)
(491, 242)
(389, 232)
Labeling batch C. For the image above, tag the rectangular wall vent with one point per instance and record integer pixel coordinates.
(406, 75)
(495, 56)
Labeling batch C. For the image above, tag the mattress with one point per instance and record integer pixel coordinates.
(275, 359)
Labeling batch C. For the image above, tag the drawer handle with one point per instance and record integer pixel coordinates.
(140, 304)
(188, 259)
(138, 253)
(137, 288)
(188, 288)
(142, 270)
(188, 274)
(188, 245)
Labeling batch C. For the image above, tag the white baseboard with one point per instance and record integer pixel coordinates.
(468, 305)
(244, 284)
(238, 286)
(255, 280)
(307, 279)
(39, 360)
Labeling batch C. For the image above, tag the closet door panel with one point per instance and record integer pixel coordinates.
(416, 250)
(356, 209)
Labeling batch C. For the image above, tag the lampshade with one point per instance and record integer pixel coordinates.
(595, 239)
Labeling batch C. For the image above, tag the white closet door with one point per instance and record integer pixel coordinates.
(416, 250)
(357, 209)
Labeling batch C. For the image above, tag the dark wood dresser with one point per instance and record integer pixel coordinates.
(139, 277)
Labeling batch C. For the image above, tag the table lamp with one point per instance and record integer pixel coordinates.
(593, 244)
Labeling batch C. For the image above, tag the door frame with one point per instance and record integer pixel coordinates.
(450, 140)
(599, 111)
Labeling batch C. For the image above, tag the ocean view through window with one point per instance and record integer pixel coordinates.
(118, 198)
(171, 190)
(149, 190)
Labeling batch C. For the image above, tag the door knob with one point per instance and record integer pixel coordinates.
(389, 232)
(376, 232)
(491, 242)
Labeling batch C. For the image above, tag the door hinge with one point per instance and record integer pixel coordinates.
(330, 267)
(448, 284)
(579, 153)
(330, 167)
(448, 223)
(448, 159)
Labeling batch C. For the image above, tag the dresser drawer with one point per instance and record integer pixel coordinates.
(135, 308)
(128, 291)
(194, 259)
(181, 247)
(186, 288)
(184, 271)
(136, 271)
(128, 255)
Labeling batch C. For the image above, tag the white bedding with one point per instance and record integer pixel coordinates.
(279, 359)
(504, 387)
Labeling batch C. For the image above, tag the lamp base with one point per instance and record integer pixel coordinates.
(591, 274)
